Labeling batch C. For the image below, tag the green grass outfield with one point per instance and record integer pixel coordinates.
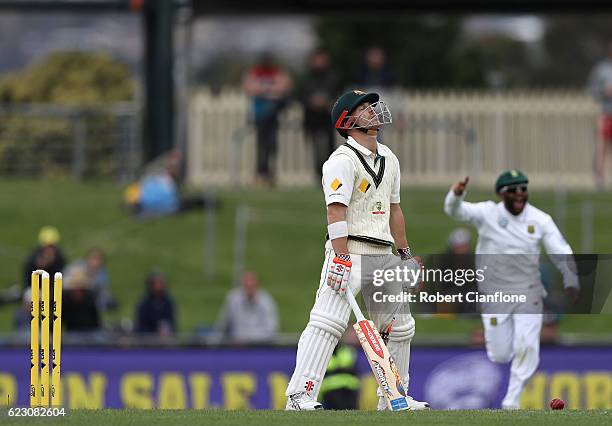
(285, 240)
(254, 418)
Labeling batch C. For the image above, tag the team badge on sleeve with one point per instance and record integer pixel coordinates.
(335, 184)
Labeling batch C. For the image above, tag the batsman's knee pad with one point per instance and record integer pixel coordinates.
(332, 324)
(403, 332)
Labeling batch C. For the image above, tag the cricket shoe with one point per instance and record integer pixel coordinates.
(302, 401)
(413, 404)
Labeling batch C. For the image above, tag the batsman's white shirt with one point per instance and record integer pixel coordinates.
(501, 233)
(367, 183)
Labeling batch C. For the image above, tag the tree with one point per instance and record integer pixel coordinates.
(424, 51)
(70, 78)
(573, 43)
(35, 145)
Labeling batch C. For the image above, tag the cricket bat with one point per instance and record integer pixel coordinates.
(383, 365)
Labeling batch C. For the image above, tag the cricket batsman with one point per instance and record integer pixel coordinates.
(361, 182)
(510, 235)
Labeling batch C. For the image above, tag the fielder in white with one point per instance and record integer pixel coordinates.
(361, 182)
(514, 231)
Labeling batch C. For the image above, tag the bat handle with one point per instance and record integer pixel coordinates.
(354, 305)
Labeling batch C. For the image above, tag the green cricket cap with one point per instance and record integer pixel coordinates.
(510, 177)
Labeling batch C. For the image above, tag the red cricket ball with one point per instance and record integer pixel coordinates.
(557, 404)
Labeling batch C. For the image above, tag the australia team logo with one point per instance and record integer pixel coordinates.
(377, 208)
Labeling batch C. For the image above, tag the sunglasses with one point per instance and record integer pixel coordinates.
(513, 189)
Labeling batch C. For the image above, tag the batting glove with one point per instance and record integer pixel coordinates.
(339, 272)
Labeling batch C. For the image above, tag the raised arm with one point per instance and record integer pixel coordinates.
(457, 208)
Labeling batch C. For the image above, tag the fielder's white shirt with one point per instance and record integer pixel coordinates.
(367, 183)
(520, 238)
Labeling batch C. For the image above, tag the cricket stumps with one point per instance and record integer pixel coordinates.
(45, 324)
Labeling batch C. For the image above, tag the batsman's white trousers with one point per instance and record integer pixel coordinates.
(515, 337)
(328, 321)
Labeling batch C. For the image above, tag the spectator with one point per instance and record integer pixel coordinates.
(375, 73)
(600, 82)
(79, 310)
(249, 314)
(156, 309)
(157, 194)
(94, 265)
(268, 85)
(47, 256)
(318, 90)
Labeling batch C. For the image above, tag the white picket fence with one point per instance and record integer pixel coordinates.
(438, 138)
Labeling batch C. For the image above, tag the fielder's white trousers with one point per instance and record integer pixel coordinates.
(516, 338)
(328, 321)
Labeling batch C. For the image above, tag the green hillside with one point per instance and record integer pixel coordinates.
(285, 240)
